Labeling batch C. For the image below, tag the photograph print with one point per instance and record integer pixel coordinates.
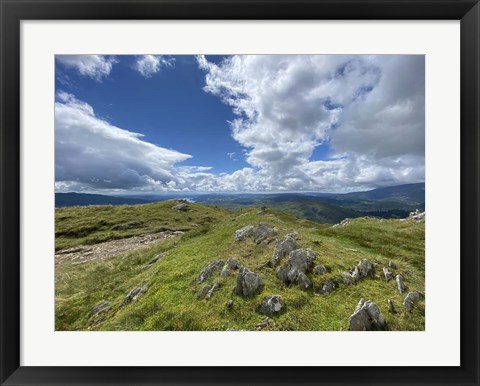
(239, 192)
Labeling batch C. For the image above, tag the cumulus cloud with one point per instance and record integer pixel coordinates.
(90, 153)
(368, 109)
(94, 66)
(147, 65)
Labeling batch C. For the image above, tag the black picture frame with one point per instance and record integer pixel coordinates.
(13, 11)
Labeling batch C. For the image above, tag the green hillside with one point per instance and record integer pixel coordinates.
(197, 235)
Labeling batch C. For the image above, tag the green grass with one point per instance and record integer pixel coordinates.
(171, 301)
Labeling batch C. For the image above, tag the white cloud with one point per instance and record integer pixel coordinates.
(369, 109)
(90, 153)
(94, 66)
(147, 65)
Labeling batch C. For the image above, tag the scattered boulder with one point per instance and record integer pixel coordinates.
(417, 216)
(364, 269)
(411, 300)
(391, 307)
(204, 291)
(342, 223)
(264, 323)
(326, 287)
(242, 233)
(272, 305)
(299, 261)
(283, 249)
(320, 269)
(248, 283)
(388, 275)
(215, 287)
(367, 317)
(182, 207)
(101, 307)
(134, 294)
(303, 281)
(400, 284)
(229, 266)
(262, 232)
(209, 270)
(392, 265)
(229, 304)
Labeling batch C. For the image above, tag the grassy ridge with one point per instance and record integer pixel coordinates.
(171, 301)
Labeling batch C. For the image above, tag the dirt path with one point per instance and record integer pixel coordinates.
(85, 253)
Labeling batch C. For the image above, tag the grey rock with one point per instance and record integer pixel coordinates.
(366, 268)
(242, 233)
(299, 261)
(248, 283)
(262, 232)
(229, 304)
(391, 306)
(204, 291)
(348, 278)
(101, 307)
(283, 249)
(388, 275)
(356, 274)
(417, 216)
(367, 317)
(272, 305)
(229, 266)
(320, 269)
(215, 287)
(400, 284)
(326, 287)
(134, 294)
(392, 265)
(303, 281)
(411, 300)
(181, 207)
(209, 270)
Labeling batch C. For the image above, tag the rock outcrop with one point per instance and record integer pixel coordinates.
(388, 275)
(411, 300)
(182, 207)
(248, 283)
(326, 287)
(229, 266)
(320, 269)
(209, 270)
(272, 305)
(101, 307)
(400, 284)
(367, 317)
(364, 269)
(283, 249)
(300, 261)
(259, 233)
(134, 294)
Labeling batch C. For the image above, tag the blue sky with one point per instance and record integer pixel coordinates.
(156, 124)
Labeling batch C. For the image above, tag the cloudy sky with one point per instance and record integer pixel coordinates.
(246, 123)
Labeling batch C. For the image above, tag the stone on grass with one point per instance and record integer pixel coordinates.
(229, 304)
(391, 306)
(392, 265)
(209, 270)
(152, 262)
(326, 287)
(215, 287)
(229, 266)
(303, 281)
(367, 317)
(134, 294)
(181, 207)
(101, 307)
(283, 249)
(366, 268)
(248, 283)
(320, 269)
(411, 300)
(400, 284)
(299, 261)
(262, 232)
(242, 233)
(388, 275)
(204, 291)
(271, 305)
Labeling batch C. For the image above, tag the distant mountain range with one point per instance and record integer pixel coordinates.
(389, 202)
